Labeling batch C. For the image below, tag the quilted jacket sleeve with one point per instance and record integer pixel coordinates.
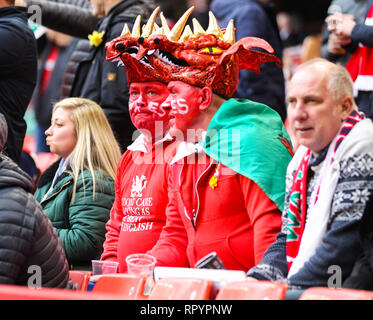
(48, 253)
(70, 17)
(28, 239)
(87, 216)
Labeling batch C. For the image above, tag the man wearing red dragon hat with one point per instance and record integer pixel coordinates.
(227, 179)
(138, 212)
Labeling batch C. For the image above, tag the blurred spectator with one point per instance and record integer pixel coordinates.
(311, 47)
(77, 192)
(88, 74)
(27, 237)
(360, 36)
(200, 12)
(52, 66)
(332, 48)
(254, 18)
(328, 182)
(290, 28)
(18, 69)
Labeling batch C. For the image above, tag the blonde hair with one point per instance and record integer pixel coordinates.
(96, 148)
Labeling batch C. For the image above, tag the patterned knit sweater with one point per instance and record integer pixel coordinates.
(340, 246)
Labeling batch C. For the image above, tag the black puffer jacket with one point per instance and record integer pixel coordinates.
(18, 69)
(27, 237)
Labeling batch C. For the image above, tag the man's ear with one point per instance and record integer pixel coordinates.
(205, 98)
(346, 107)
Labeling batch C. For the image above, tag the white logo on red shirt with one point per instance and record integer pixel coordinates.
(138, 184)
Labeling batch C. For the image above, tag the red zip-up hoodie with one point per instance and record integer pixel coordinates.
(236, 218)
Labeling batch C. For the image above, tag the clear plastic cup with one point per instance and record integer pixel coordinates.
(100, 267)
(140, 263)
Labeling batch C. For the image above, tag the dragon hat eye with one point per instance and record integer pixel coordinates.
(211, 50)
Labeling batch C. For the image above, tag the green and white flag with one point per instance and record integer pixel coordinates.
(250, 138)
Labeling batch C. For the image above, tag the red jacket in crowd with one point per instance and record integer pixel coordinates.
(138, 212)
(236, 218)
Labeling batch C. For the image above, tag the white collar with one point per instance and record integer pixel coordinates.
(142, 144)
(187, 148)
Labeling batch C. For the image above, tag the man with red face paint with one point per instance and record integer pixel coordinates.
(226, 181)
(222, 205)
(138, 213)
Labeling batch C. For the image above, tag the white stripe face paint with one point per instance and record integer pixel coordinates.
(179, 106)
(165, 104)
(136, 104)
(152, 106)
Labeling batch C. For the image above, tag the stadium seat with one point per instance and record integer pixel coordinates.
(253, 290)
(15, 292)
(129, 286)
(80, 278)
(324, 293)
(181, 289)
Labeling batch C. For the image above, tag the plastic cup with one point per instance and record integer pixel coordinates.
(140, 263)
(104, 267)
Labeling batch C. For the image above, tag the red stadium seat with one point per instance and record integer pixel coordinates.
(324, 293)
(13, 292)
(129, 286)
(252, 290)
(181, 289)
(80, 278)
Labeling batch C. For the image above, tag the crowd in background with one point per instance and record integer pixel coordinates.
(91, 124)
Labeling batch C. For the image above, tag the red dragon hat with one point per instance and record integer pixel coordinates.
(200, 58)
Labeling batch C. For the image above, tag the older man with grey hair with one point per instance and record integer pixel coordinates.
(328, 182)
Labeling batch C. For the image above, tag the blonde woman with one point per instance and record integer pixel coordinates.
(77, 191)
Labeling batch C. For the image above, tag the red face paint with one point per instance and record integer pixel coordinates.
(184, 100)
(148, 106)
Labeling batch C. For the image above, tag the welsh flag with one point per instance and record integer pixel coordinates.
(250, 138)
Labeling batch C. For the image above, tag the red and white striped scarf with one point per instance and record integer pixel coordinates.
(298, 193)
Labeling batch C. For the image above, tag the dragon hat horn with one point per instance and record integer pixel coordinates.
(200, 57)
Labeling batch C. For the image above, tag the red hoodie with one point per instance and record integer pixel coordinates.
(236, 218)
(138, 213)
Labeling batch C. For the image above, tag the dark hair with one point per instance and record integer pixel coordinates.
(10, 2)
